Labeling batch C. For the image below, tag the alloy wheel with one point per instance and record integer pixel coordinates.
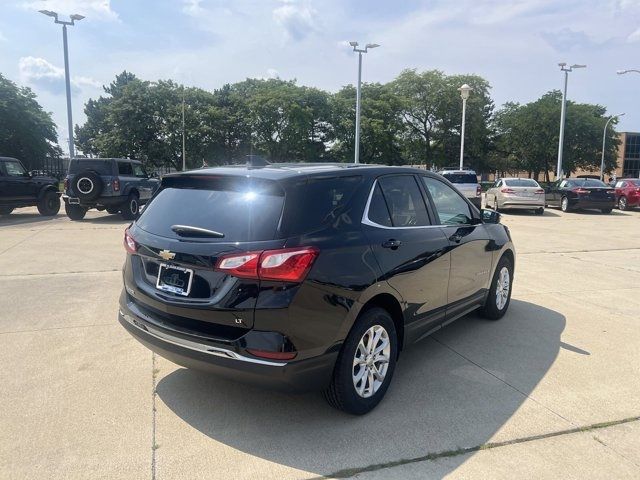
(502, 288)
(622, 203)
(371, 361)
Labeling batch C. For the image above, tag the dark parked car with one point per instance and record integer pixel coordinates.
(581, 193)
(627, 191)
(117, 185)
(305, 277)
(19, 188)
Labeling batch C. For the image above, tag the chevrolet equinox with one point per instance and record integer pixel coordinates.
(309, 276)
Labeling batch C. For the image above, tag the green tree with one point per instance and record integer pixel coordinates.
(27, 132)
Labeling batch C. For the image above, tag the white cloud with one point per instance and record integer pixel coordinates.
(2, 38)
(298, 19)
(634, 37)
(272, 73)
(192, 7)
(41, 73)
(93, 9)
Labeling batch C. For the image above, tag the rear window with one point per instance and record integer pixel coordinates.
(243, 209)
(461, 177)
(521, 182)
(635, 182)
(314, 202)
(102, 167)
(590, 183)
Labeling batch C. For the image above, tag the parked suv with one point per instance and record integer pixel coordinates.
(19, 188)
(467, 182)
(117, 185)
(307, 277)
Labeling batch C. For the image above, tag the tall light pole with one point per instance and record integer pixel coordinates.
(604, 140)
(359, 51)
(566, 70)
(75, 17)
(464, 90)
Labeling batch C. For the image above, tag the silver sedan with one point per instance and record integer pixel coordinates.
(516, 193)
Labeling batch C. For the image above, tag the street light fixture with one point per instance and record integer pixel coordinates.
(359, 51)
(75, 17)
(604, 139)
(566, 70)
(464, 90)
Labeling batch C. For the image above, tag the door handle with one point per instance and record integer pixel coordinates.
(456, 237)
(392, 244)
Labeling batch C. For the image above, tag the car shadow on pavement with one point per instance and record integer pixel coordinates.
(530, 213)
(15, 219)
(453, 390)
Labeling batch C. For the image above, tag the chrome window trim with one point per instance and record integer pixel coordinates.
(195, 346)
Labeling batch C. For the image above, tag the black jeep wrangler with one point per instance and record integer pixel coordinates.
(117, 185)
(19, 188)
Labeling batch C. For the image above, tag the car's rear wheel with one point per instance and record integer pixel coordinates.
(499, 296)
(606, 210)
(539, 211)
(131, 207)
(49, 204)
(6, 210)
(622, 203)
(365, 365)
(75, 212)
(113, 210)
(564, 204)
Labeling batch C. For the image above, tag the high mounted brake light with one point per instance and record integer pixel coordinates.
(286, 264)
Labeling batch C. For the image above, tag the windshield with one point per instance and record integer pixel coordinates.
(521, 182)
(242, 209)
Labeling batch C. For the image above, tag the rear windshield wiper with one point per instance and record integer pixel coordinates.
(188, 231)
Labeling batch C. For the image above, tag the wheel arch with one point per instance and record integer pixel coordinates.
(392, 305)
(45, 189)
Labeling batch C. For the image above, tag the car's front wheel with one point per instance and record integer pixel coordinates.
(366, 363)
(75, 212)
(564, 204)
(131, 207)
(499, 296)
(622, 203)
(49, 204)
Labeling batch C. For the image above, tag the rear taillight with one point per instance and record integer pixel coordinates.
(540, 191)
(66, 184)
(508, 190)
(478, 190)
(116, 184)
(130, 245)
(638, 190)
(286, 265)
(580, 190)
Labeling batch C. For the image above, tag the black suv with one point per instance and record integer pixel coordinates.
(19, 188)
(308, 276)
(117, 185)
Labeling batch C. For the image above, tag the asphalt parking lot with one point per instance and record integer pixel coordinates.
(552, 390)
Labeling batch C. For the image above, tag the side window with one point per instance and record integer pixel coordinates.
(378, 211)
(452, 209)
(14, 169)
(124, 168)
(404, 201)
(138, 171)
(621, 185)
(497, 184)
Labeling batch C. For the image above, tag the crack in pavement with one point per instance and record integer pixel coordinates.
(546, 252)
(350, 472)
(14, 275)
(154, 383)
(23, 240)
(58, 328)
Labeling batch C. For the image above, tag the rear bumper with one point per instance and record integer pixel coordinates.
(522, 204)
(225, 361)
(105, 201)
(590, 204)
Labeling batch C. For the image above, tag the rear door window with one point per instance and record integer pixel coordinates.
(125, 169)
(378, 210)
(404, 201)
(243, 209)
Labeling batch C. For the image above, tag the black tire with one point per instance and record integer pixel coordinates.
(113, 210)
(606, 210)
(539, 211)
(491, 309)
(622, 203)
(6, 210)
(495, 205)
(75, 212)
(564, 204)
(87, 185)
(49, 204)
(341, 393)
(131, 207)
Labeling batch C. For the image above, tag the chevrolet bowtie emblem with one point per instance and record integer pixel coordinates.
(167, 255)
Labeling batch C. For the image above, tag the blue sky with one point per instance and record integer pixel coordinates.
(515, 45)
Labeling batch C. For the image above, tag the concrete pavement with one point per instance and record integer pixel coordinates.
(80, 398)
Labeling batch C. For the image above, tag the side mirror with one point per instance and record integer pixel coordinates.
(490, 216)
